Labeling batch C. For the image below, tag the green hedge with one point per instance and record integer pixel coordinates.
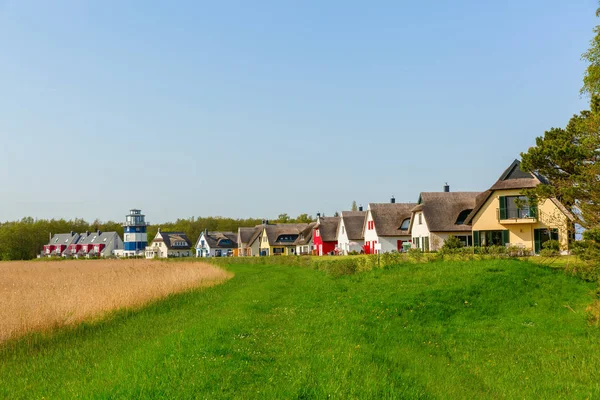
(347, 265)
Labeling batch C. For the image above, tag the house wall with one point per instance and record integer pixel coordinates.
(304, 248)
(370, 234)
(322, 247)
(179, 253)
(254, 248)
(343, 242)
(420, 230)
(437, 239)
(202, 251)
(115, 244)
(390, 243)
(522, 234)
(162, 249)
(264, 244)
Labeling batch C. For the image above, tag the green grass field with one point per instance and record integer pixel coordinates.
(480, 329)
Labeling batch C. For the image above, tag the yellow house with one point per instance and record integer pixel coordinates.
(503, 216)
(279, 239)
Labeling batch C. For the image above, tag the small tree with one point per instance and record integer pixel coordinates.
(452, 243)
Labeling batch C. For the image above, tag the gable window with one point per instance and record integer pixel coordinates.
(343, 230)
(317, 233)
(420, 219)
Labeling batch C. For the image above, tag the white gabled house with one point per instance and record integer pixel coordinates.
(386, 227)
(169, 245)
(216, 244)
(350, 232)
(439, 215)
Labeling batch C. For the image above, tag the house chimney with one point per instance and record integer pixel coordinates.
(99, 232)
(318, 215)
(393, 199)
(49, 237)
(446, 188)
(159, 230)
(360, 208)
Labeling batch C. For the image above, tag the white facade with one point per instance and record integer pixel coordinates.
(305, 249)
(345, 245)
(420, 233)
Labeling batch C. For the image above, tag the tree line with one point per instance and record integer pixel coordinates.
(25, 239)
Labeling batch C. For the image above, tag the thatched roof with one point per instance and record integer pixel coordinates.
(388, 217)
(170, 238)
(276, 233)
(443, 209)
(306, 234)
(353, 222)
(328, 227)
(221, 240)
(245, 234)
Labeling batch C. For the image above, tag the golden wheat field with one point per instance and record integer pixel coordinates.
(42, 295)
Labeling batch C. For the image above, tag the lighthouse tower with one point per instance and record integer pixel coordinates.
(136, 239)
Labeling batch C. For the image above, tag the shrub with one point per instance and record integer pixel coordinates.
(415, 254)
(452, 243)
(518, 251)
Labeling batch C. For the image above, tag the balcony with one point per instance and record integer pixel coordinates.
(130, 223)
(522, 215)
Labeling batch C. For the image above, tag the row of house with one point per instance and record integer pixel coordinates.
(499, 216)
(87, 244)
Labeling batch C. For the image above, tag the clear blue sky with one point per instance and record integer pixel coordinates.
(256, 108)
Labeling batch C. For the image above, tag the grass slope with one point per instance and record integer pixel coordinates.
(501, 329)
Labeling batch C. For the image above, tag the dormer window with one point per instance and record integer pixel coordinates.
(405, 224)
(462, 217)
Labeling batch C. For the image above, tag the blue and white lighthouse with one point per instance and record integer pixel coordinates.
(136, 238)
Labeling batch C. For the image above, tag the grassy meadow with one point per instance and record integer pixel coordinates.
(465, 330)
(43, 295)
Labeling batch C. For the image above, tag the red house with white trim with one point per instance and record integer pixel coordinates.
(325, 235)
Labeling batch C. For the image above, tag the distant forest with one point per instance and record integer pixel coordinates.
(25, 239)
